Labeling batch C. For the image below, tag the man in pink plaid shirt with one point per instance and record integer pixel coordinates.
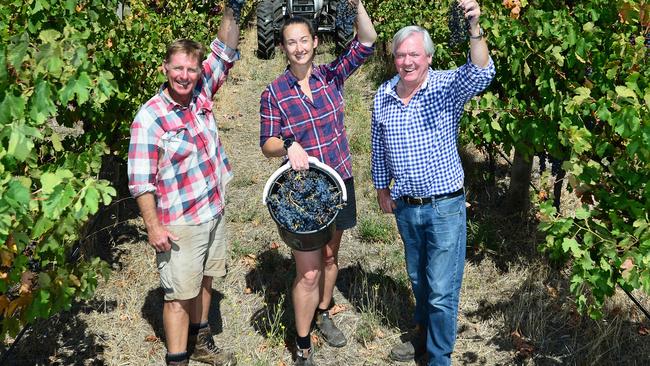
(178, 170)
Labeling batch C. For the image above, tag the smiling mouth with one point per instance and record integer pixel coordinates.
(183, 84)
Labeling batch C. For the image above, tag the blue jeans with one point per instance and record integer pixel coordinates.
(435, 236)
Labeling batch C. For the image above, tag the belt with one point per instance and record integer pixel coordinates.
(426, 200)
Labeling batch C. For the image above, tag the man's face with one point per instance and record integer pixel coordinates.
(183, 72)
(298, 44)
(411, 61)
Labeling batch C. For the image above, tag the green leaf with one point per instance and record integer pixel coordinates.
(495, 125)
(78, 87)
(3, 61)
(49, 35)
(49, 181)
(17, 195)
(17, 51)
(603, 113)
(570, 244)
(43, 225)
(582, 94)
(12, 109)
(56, 142)
(42, 105)
(58, 201)
(625, 92)
(19, 145)
(582, 213)
(91, 199)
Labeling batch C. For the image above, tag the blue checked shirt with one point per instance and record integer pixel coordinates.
(415, 145)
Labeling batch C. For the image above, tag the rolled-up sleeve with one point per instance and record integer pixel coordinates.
(472, 79)
(215, 68)
(142, 164)
(352, 57)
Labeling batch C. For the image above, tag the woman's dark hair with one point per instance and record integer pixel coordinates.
(297, 20)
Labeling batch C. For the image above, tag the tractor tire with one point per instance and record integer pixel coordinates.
(342, 37)
(269, 16)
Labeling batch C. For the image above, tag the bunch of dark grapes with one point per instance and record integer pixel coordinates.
(346, 14)
(457, 23)
(304, 201)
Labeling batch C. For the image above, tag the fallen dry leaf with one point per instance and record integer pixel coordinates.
(151, 338)
(248, 291)
(523, 346)
(316, 341)
(542, 195)
(250, 260)
(552, 292)
(337, 309)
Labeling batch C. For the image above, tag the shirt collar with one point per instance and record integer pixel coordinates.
(391, 87)
(171, 103)
(291, 79)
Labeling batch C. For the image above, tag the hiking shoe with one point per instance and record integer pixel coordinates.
(332, 335)
(301, 360)
(185, 362)
(204, 350)
(408, 350)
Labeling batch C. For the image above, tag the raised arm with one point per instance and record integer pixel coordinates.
(365, 29)
(478, 48)
(229, 28)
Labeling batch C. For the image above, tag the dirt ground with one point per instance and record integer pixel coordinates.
(514, 309)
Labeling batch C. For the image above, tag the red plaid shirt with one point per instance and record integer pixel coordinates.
(285, 111)
(176, 151)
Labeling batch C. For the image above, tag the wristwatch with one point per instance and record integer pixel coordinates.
(287, 143)
(480, 34)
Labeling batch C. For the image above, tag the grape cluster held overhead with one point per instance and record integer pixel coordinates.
(457, 23)
(304, 201)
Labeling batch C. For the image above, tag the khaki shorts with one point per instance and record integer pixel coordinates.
(200, 251)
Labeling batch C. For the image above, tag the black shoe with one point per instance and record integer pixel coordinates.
(414, 346)
(302, 360)
(332, 335)
(204, 350)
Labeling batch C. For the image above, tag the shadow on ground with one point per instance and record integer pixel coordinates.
(152, 311)
(272, 278)
(378, 294)
(63, 339)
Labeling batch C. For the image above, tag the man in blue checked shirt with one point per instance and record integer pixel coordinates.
(414, 147)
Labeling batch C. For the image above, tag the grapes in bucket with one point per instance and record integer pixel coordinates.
(304, 204)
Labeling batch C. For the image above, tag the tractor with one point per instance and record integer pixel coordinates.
(322, 13)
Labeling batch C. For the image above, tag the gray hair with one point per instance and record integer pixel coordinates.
(406, 32)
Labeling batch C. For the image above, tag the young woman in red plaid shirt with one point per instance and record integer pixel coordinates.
(302, 115)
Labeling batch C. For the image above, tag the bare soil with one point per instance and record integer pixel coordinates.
(515, 308)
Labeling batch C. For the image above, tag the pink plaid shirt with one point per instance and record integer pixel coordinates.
(176, 153)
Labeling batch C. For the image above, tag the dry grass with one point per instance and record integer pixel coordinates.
(514, 307)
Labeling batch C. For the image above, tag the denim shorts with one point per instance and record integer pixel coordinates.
(347, 216)
(200, 251)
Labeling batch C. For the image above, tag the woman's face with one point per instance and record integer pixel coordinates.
(299, 45)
